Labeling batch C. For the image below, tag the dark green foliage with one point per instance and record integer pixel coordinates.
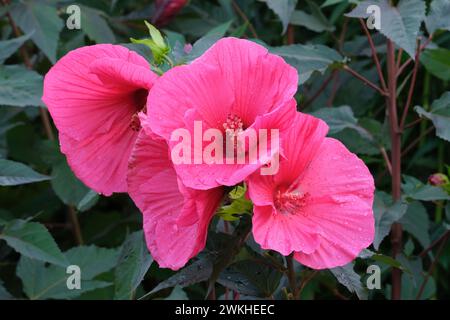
(49, 219)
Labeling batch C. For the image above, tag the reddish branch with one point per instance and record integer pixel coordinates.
(304, 283)
(319, 91)
(364, 80)
(411, 87)
(245, 18)
(407, 62)
(291, 274)
(416, 141)
(434, 243)
(374, 54)
(433, 265)
(290, 34)
(396, 229)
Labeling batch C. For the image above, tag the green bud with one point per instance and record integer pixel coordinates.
(156, 43)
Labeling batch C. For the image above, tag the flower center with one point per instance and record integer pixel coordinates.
(140, 102)
(290, 202)
(233, 126)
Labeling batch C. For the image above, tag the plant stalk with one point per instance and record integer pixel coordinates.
(396, 229)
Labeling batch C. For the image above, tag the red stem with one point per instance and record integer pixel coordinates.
(396, 229)
(411, 88)
(290, 34)
(319, 91)
(365, 80)
(374, 54)
(433, 265)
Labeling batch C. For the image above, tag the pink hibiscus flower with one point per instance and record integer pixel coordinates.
(94, 94)
(319, 204)
(235, 87)
(176, 218)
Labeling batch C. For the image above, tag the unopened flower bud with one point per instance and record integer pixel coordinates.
(438, 179)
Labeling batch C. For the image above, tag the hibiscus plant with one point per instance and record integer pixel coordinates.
(232, 149)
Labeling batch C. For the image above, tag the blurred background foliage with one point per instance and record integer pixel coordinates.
(49, 219)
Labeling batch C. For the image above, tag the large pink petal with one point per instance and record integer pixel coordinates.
(341, 190)
(299, 146)
(204, 176)
(92, 94)
(283, 233)
(234, 78)
(182, 88)
(176, 218)
(260, 81)
(81, 104)
(302, 143)
(101, 161)
(319, 203)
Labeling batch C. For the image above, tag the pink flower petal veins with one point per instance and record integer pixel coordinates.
(176, 218)
(319, 205)
(93, 95)
(234, 79)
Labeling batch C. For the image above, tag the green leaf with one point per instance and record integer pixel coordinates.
(437, 62)
(251, 277)
(356, 143)
(387, 260)
(308, 58)
(20, 87)
(42, 19)
(134, 261)
(67, 187)
(177, 294)
(437, 17)
(155, 35)
(439, 114)
(309, 21)
(4, 294)
(32, 239)
(417, 223)
(333, 2)
(350, 279)
(9, 47)
(94, 25)
(338, 118)
(88, 201)
(400, 24)
(410, 289)
(344, 127)
(447, 211)
(239, 205)
(283, 9)
(15, 173)
(238, 192)
(50, 282)
(220, 30)
(205, 42)
(385, 213)
(92, 260)
(415, 189)
(316, 21)
(196, 272)
(233, 211)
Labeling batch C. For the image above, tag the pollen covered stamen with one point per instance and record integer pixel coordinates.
(233, 125)
(290, 202)
(135, 123)
(140, 101)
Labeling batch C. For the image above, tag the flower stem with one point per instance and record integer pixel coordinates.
(396, 229)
